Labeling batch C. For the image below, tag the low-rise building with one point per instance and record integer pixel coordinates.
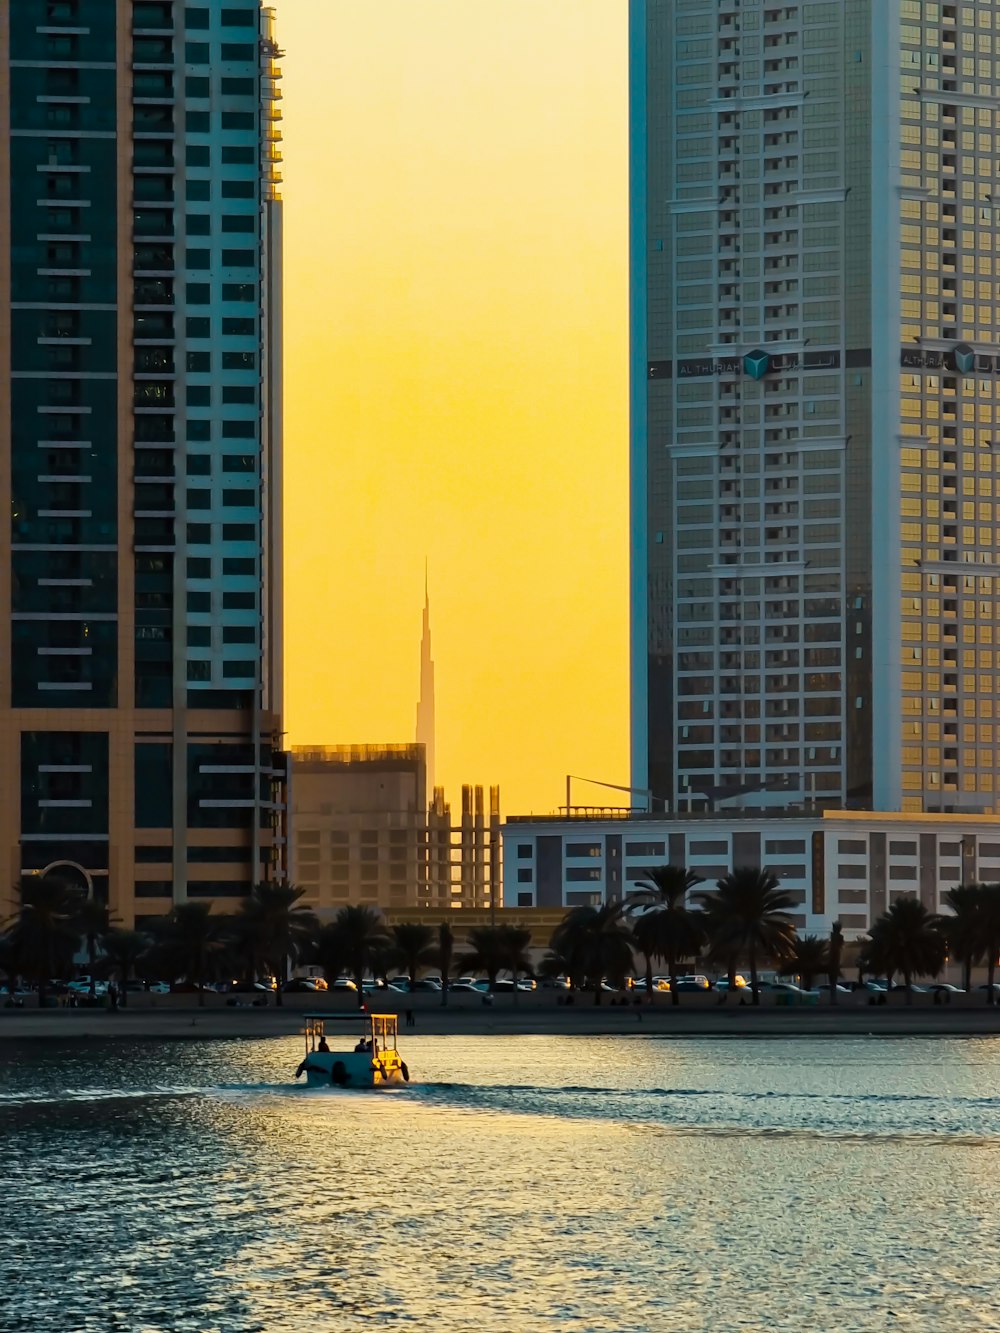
(841, 865)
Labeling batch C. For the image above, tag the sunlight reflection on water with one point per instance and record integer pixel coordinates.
(587, 1184)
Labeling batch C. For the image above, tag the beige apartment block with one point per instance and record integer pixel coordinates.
(365, 832)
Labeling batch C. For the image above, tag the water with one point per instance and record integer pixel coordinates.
(591, 1184)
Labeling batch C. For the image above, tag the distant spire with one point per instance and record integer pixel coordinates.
(425, 706)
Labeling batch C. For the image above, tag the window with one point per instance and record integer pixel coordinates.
(575, 874)
(199, 601)
(239, 565)
(199, 567)
(198, 259)
(196, 86)
(196, 53)
(197, 122)
(239, 393)
(236, 156)
(239, 190)
(239, 532)
(783, 846)
(524, 851)
(902, 849)
(719, 848)
(239, 634)
(239, 291)
(234, 120)
(239, 258)
(645, 849)
(525, 899)
(902, 872)
(199, 636)
(524, 875)
(239, 463)
(197, 155)
(196, 16)
(243, 328)
(852, 846)
(239, 360)
(237, 601)
(199, 326)
(200, 362)
(583, 849)
(245, 222)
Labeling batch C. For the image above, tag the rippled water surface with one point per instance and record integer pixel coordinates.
(524, 1183)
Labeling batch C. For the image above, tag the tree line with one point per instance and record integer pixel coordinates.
(742, 924)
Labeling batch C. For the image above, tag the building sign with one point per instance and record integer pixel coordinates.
(755, 364)
(962, 359)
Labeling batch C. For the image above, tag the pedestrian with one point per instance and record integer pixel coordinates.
(411, 1021)
(113, 996)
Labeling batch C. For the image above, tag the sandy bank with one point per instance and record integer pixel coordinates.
(179, 1021)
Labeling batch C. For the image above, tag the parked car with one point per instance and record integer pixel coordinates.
(917, 990)
(842, 989)
(556, 983)
(300, 986)
(237, 988)
(946, 988)
(158, 988)
(342, 984)
(723, 983)
(464, 988)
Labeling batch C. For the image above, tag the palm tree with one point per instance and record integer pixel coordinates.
(276, 926)
(445, 954)
(599, 938)
(908, 939)
(11, 960)
(965, 930)
(359, 935)
(678, 932)
(747, 919)
(484, 953)
(514, 944)
(123, 949)
(45, 929)
(834, 953)
(646, 938)
(413, 945)
(93, 919)
(809, 958)
(991, 935)
(190, 937)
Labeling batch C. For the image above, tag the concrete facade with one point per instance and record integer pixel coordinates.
(814, 403)
(140, 450)
(838, 865)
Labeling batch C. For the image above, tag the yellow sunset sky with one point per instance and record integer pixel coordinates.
(456, 313)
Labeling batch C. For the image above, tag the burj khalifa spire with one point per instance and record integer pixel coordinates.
(425, 705)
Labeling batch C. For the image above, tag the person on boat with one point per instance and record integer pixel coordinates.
(362, 1045)
(322, 1045)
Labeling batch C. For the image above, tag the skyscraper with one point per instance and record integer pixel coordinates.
(816, 402)
(140, 640)
(425, 704)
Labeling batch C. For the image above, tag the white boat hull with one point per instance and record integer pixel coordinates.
(353, 1069)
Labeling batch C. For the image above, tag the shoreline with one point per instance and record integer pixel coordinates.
(188, 1022)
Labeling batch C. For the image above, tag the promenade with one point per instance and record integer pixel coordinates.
(180, 1017)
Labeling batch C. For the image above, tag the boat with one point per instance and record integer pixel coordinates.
(371, 1062)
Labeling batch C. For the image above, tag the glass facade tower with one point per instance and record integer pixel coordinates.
(140, 662)
(816, 402)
